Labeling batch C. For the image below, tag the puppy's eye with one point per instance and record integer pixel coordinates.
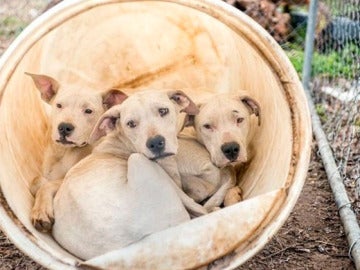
(163, 111)
(58, 105)
(131, 124)
(88, 111)
(207, 126)
(239, 120)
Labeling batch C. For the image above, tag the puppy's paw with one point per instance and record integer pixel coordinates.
(233, 195)
(42, 219)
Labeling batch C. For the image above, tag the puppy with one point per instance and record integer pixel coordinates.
(224, 131)
(113, 197)
(74, 113)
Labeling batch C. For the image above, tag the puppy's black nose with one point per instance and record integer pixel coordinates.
(65, 129)
(156, 144)
(231, 150)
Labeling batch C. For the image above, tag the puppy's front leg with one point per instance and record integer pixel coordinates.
(197, 187)
(228, 181)
(170, 166)
(233, 195)
(42, 213)
(193, 207)
(36, 183)
(49, 160)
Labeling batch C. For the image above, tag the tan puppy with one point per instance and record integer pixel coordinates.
(74, 113)
(113, 198)
(224, 130)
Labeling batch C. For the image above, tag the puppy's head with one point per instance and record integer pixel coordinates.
(223, 125)
(74, 110)
(149, 120)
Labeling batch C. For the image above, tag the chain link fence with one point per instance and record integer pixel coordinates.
(336, 87)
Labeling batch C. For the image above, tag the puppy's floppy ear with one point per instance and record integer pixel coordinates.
(190, 119)
(113, 97)
(185, 103)
(105, 124)
(47, 86)
(253, 106)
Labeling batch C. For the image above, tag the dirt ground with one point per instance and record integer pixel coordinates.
(312, 237)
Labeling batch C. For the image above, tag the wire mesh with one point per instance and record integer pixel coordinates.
(336, 87)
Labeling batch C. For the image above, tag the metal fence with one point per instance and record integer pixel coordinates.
(336, 87)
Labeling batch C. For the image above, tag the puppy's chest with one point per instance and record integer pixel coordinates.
(65, 162)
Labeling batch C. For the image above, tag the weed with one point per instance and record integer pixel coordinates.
(11, 26)
(357, 122)
(321, 111)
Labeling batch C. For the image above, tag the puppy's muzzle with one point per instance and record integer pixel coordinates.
(65, 129)
(156, 145)
(231, 150)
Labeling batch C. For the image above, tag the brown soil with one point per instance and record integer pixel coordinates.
(312, 237)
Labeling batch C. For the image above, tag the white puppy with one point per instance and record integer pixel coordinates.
(224, 131)
(74, 113)
(108, 200)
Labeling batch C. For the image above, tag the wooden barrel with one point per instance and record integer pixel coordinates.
(178, 44)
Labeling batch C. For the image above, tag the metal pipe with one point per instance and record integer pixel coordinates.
(342, 201)
(309, 43)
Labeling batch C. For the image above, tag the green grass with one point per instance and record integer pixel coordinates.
(333, 64)
(11, 26)
(321, 111)
(357, 122)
